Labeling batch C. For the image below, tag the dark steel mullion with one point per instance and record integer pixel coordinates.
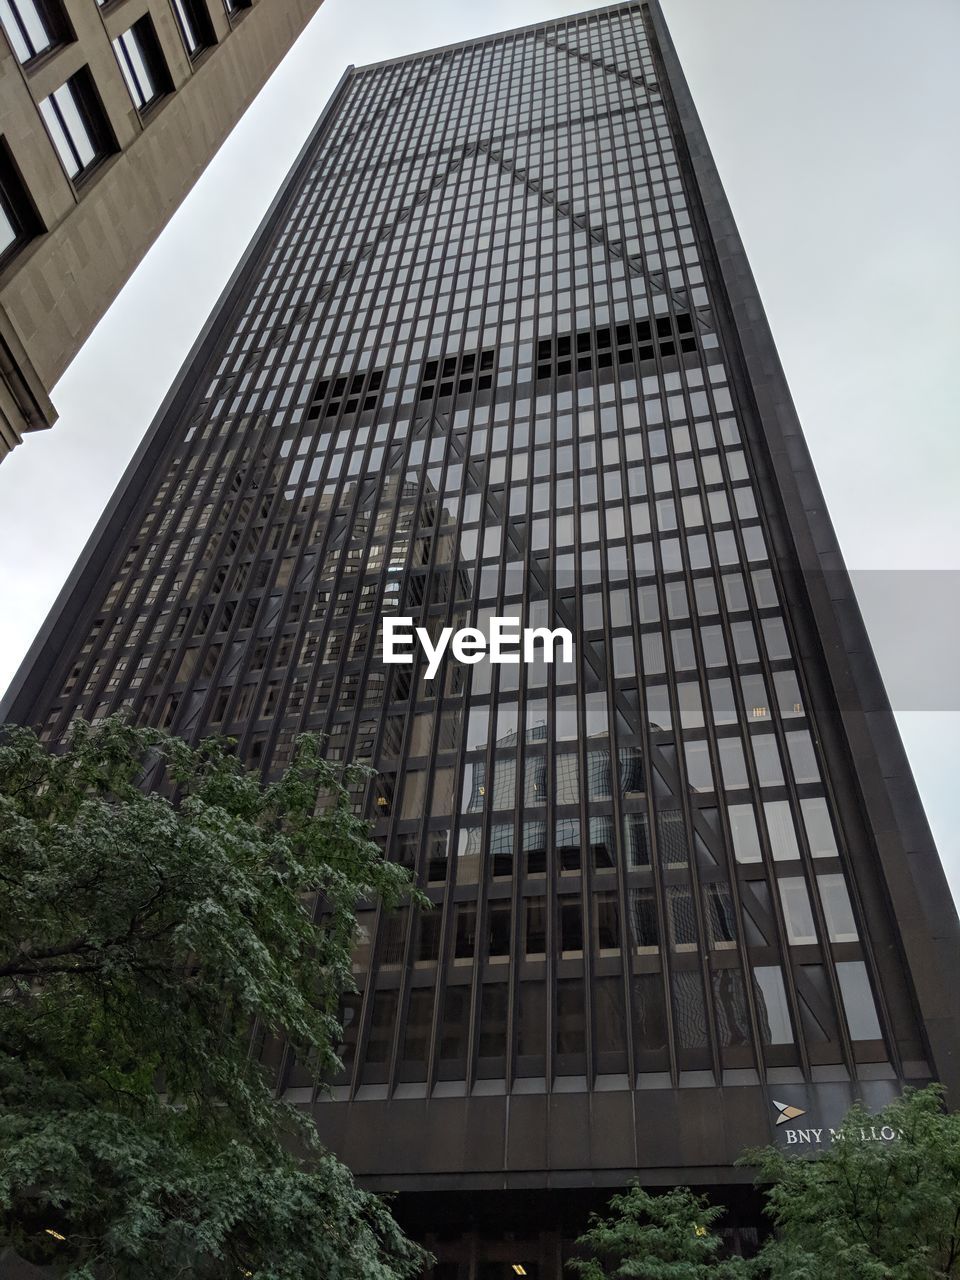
(446, 903)
(548, 589)
(488, 755)
(306, 549)
(660, 897)
(152, 611)
(704, 314)
(251, 462)
(430, 770)
(755, 795)
(688, 806)
(158, 554)
(591, 947)
(313, 455)
(649, 753)
(711, 735)
(248, 545)
(779, 735)
(459, 766)
(308, 237)
(653, 810)
(618, 813)
(696, 222)
(740, 414)
(587, 887)
(646, 750)
(376, 941)
(461, 775)
(485, 274)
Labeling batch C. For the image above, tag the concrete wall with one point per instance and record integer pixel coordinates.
(57, 287)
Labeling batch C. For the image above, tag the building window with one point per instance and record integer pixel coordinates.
(76, 123)
(571, 1028)
(193, 19)
(571, 928)
(453, 1027)
(531, 1030)
(797, 912)
(782, 832)
(33, 26)
(465, 932)
(772, 1008)
(721, 920)
(438, 844)
(380, 1037)
(142, 64)
(683, 921)
(18, 218)
(393, 932)
(841, 926)
(858, 1000)
(535, 928)
(643, 920)
(428, 937)
(492, 1042)
(499, 930)
(743, 829)
(819, 829)
(606, 923)
(416, 1031)
(236, 7)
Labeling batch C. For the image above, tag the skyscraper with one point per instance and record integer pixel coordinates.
(496, 351)
(110, 114)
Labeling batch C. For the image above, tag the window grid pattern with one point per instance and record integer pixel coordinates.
(31, 28)
(478, 372)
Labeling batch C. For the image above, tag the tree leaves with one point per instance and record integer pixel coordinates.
(668, 1236)
(866, 1209)
(143, 936)
(862, 1209)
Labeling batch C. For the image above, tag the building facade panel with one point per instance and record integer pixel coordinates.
(106, 128)
(496, 352)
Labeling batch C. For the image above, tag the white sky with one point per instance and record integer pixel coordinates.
(834, 126)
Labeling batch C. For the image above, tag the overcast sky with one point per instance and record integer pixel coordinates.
(834, 124)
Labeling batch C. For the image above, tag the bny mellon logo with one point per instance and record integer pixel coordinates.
(787, 1112)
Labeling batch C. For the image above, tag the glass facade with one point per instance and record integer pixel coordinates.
(480, 366)
(480, 375)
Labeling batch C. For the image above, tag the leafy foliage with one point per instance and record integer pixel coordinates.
(655, 1237)
(861, 1209)
(141, 940)
(865, 1209)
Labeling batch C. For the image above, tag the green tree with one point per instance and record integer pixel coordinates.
(668, 1236)
(865, 1208)
(141, 942)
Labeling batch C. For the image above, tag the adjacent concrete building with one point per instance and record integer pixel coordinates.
(496, 351)
(110, 112)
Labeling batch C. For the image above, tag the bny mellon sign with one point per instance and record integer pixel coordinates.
(824, 1135)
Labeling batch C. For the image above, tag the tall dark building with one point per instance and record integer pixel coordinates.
(496, 350)
(109, 112)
